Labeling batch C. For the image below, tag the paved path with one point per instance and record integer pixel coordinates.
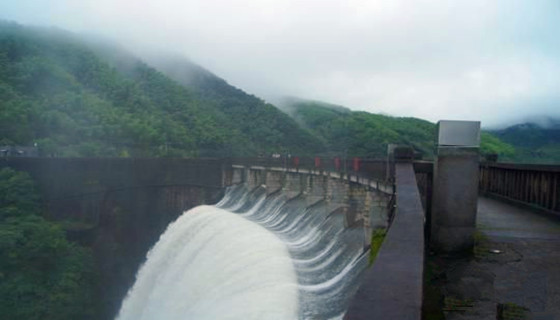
(516, 263)
(501, 221)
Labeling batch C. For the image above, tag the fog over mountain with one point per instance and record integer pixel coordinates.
(492, 61)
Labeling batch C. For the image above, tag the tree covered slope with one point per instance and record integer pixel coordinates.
(81, 97)
(534, 143)
(73, 99)
(42, 275)
(252, 115)
(364, 134)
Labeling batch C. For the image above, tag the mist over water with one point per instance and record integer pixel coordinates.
(250, 256)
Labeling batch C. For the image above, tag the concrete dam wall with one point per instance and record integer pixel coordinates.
(120, 207)
(281, 245)
(363, 203)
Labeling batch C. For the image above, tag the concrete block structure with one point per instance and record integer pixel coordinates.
(363, 202)
(455, 188)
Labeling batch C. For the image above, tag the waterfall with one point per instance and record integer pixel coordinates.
(251, 256)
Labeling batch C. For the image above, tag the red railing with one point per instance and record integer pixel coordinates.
(368, 168)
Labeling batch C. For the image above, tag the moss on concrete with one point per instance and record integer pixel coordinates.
(432, 305)
(377, 237)
(456, 304)
(481, 245)
(512, 311)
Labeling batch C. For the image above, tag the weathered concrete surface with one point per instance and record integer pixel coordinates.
(505, 222)
(119, 207)
(455, 192)
(392, 287)
(525, 273)
(364, 201)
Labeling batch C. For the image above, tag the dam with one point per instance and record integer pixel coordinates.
(196, 218)
(250, 256)
(319, 219)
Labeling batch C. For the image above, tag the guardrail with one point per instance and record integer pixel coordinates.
(384, 186)
(375, 169)
(536, 186)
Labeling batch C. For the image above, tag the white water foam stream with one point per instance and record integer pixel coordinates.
(249, 257)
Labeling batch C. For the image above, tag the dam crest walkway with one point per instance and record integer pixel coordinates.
(514, 272)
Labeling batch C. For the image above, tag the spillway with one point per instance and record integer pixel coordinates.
(251, 256)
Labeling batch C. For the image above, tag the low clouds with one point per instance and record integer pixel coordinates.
(496, 61)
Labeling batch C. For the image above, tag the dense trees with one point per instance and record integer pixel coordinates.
(367, 135)
(533, 143)
(72, 100)
(42, 276)
(74, 97)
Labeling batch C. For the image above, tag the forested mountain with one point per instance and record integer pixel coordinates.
(251, 115)
(85, 97)
(77, 98)
(533, 142)
(365, 134)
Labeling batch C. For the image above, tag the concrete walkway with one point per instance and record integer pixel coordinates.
(514, 272)
(503, 222)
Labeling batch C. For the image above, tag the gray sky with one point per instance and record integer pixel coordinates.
(492, 60)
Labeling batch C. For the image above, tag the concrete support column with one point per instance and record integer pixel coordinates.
(455, 186)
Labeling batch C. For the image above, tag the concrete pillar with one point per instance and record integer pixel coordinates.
(390, 166)
(455, 186)
(274, 181)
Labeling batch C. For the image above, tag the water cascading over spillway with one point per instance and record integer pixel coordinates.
(250, 256)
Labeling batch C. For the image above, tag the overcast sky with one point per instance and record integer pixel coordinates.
(495, 61)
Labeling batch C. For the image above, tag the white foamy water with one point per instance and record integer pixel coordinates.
(249, 257)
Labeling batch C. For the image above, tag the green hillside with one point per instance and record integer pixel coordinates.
(73, 99)
(252, 116)
(85, 97)
(533, 143)
(364, 134)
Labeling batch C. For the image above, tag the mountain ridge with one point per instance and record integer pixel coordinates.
(368, 134)
(88, 97)
(77, 101)
(534, 142)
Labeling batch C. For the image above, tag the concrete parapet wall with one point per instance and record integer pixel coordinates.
(119, 207)
(64, 177)
(392, 287)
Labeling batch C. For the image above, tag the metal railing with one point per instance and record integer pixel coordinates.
(537, 186)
